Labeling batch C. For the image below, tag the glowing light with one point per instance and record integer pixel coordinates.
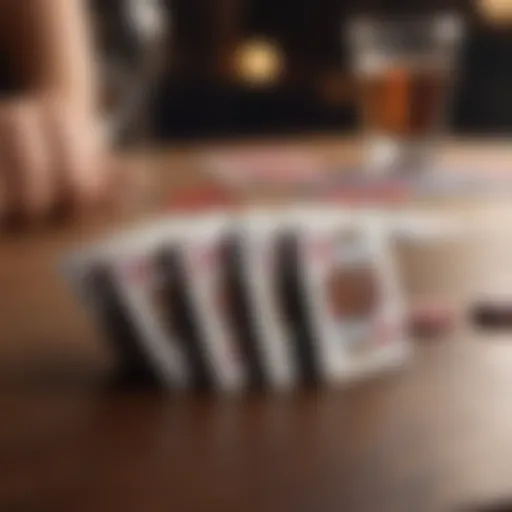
(259, 62)
(496, 10)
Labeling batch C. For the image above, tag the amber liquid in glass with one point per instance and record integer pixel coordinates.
(403, 103)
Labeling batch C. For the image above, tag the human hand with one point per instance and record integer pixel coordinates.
(52, 157)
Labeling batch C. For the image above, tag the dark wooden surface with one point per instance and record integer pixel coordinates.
(435, 436)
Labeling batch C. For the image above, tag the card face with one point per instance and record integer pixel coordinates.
(239, 308)
(94, 281)
(120, 282)
(295, 303)
(207, 285)
(351, 291)
(115, 318)
(141, 283)
(182, 315)
(259, 266)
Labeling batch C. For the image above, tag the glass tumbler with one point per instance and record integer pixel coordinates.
(404, 68)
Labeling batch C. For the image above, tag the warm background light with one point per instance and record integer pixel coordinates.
(496, 10)
(258, 62)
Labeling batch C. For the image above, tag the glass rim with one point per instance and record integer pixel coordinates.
(448, 25)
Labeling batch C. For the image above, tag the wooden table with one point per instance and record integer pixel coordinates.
(433, 437)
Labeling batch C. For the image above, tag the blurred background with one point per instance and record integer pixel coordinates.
(231, 68)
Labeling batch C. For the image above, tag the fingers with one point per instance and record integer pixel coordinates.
(50, 155)
(77, 156)
(37, 187)
(24, 162)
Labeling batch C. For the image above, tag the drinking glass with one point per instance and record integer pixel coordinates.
(404, 69)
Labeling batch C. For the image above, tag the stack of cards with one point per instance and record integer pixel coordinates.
(261, 300)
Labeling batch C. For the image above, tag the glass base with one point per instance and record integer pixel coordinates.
(384, 155)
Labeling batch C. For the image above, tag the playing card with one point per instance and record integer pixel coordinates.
(203, 261)
(121, 282)
(275, 166)
(93, 280)
(136, 270)
(295, 306)
(256, 266)
(347, 294)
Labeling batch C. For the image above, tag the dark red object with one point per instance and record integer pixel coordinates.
(199, 198)
(434, 320)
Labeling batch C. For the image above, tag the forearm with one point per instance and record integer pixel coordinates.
(49, 44)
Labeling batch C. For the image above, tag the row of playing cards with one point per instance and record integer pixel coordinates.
(260, 299)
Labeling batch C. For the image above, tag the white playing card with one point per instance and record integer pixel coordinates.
(129, 262)
(259, 235)
(202, 252)
(351, 294)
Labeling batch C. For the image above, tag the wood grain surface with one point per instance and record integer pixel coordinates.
(433, 437)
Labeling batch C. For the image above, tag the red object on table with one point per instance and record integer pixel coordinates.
(199, 198)
(431, 320)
